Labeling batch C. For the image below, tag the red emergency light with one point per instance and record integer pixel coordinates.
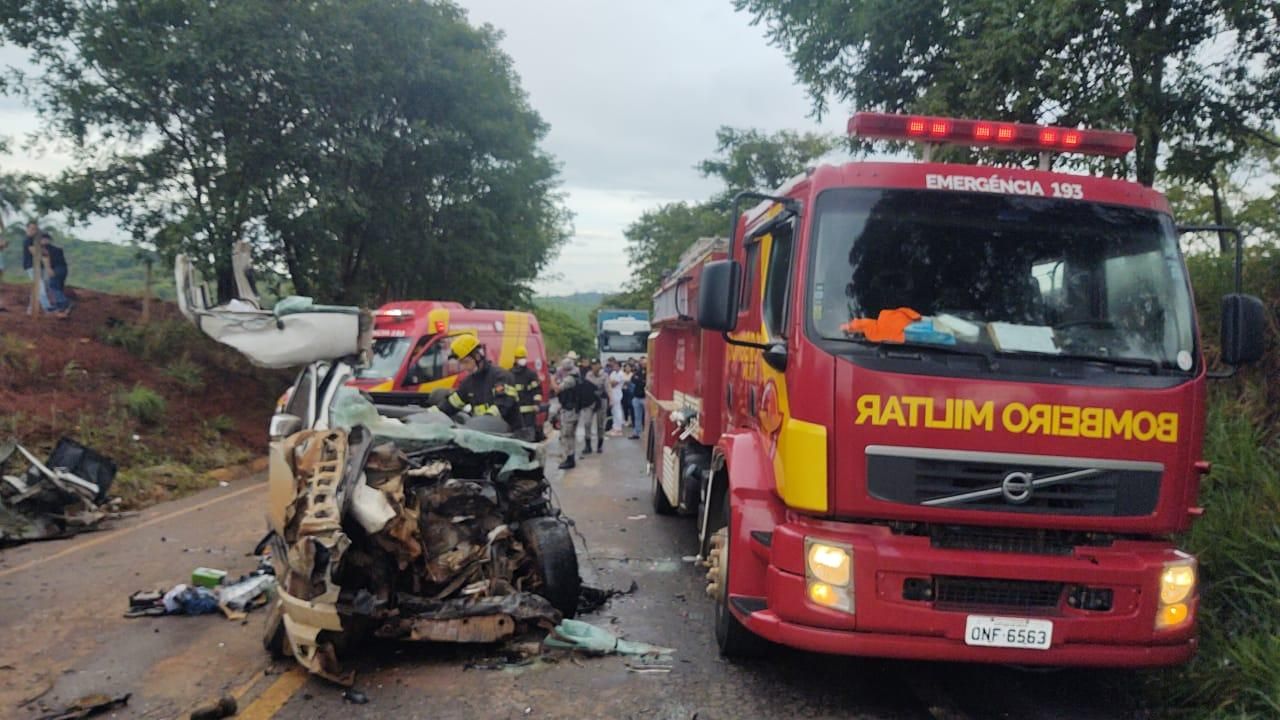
(990, 133)
(395, 313)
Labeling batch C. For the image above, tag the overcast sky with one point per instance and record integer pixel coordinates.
(633, 93)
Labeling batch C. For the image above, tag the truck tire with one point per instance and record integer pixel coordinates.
(661, 505)
(555, 560)
(732, 637)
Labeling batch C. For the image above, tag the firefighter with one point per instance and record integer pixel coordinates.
(487, 389)
(529, 389)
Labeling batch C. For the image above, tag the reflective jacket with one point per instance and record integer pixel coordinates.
(489, 390)
(528, 388)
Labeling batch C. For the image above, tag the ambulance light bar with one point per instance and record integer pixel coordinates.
(989, 133)
(398, 313)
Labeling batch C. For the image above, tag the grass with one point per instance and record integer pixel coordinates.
(1236, 673)
(186, 373)
(18, 356)
(144, 404)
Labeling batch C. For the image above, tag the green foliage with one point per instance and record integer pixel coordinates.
(222, 424)
(1182, 74)
(157, 341)
(656, 241)
(373, 148)
(577, 306)
(744, 160)
(752, 160)
(1236, 672)
(18, 357)
(561, 332)
(186, 373)
(144, 404)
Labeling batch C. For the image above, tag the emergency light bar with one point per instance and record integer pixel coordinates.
(989, 133)
(395, 313)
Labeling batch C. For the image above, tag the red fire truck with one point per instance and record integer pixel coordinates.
(943, 411)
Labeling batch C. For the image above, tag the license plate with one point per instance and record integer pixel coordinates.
(991, 631)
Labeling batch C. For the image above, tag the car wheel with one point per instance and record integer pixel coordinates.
(555, 561)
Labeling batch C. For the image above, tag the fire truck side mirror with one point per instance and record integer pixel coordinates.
(718, 296)
(1244, 326)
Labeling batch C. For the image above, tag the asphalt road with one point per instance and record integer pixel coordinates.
(62, 635)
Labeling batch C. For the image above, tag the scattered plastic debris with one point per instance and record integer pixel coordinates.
(578, 635)
(354, 696)
(641, 516)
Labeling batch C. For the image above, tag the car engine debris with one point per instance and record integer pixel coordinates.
(419, 531)
(58, 498)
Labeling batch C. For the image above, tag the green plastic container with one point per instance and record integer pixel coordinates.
(207, 577)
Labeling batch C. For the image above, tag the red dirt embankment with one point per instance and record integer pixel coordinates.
(80, 377)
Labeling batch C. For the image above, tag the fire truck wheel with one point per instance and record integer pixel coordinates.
(661, 505)
(555, 560)
(732, 637)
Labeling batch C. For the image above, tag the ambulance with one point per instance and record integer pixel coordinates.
(410, 359)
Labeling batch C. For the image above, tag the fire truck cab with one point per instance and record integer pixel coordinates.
(942, 411)
(411, 339)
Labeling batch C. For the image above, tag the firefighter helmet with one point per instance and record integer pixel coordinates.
(464, 345)
(521, 352)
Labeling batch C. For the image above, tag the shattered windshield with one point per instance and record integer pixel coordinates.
(386, 358)
(1000, 274)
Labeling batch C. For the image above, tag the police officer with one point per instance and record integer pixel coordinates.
(565, 384)
(488, 389)
(529, 390)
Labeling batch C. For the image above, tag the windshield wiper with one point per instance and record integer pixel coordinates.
(1153, 366)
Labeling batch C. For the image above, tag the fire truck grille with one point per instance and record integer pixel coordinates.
(971, 592)
(973, 482)
(1012, 540)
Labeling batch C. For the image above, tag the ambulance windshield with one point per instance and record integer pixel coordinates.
(1000, 274)
(386, 358)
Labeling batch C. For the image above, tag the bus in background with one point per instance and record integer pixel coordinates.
(622, 334)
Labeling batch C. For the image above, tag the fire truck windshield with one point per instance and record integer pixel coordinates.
(386, 358)
(998, 274)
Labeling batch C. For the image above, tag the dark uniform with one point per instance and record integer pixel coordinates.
(489, 390)
(529, 392)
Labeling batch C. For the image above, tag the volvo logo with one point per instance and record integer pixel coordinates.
(1016, 487)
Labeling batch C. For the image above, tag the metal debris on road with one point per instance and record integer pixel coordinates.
(592, 599)
(88, 706)
(58, 498)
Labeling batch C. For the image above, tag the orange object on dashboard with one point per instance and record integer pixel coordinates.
(888, 327)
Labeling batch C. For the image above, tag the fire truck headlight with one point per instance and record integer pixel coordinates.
(828, 562)
(829, 574)
(1177, 583)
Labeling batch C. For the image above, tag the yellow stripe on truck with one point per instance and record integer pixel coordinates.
(515, 332)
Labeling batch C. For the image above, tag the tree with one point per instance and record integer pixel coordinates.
(1189, 75)
(656, 241)
(370, 148)
(745, 160)
(562, 333)
(752, 160)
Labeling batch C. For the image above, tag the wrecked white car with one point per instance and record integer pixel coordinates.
(388, 521)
